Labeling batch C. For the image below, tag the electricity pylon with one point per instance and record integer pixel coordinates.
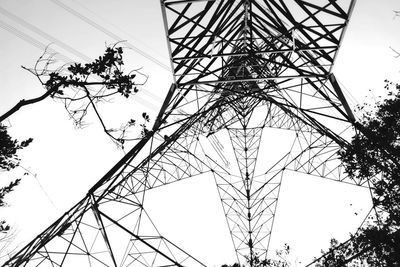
(243, 71)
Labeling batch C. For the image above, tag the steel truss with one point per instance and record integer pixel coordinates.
(242, 70)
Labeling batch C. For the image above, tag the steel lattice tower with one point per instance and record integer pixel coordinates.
(241, 68)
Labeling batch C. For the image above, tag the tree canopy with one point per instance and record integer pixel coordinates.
(9, 160)
(80, 87)
(9, 148)
(257, 261)
(374, 155)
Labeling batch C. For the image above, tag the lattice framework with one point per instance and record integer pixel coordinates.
(240, 68)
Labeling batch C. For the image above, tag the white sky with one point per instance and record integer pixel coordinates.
(68, 161)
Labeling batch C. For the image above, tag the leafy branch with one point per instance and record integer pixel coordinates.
(83, 87)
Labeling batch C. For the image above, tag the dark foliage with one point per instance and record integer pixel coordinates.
(9, 148)
(9, 160)
(257, 261)
(83, 87)
(4, 227)
(7, 189)
(374, 153)
(233, 265)
(80, 87)
(107, 67)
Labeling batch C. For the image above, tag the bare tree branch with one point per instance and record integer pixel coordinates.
(24, 102)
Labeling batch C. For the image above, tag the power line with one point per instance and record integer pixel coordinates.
(32, 41)
(41, 46)
(44, 34)
(109, 33)
(113, 36)
(122, 30)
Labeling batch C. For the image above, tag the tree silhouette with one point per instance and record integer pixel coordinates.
(374, 153)
(8, 160)
(256, 261)
(80, 87)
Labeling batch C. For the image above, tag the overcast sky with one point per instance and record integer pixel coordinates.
(66, 162)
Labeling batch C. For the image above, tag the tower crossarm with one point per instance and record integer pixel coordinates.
(299, 38)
